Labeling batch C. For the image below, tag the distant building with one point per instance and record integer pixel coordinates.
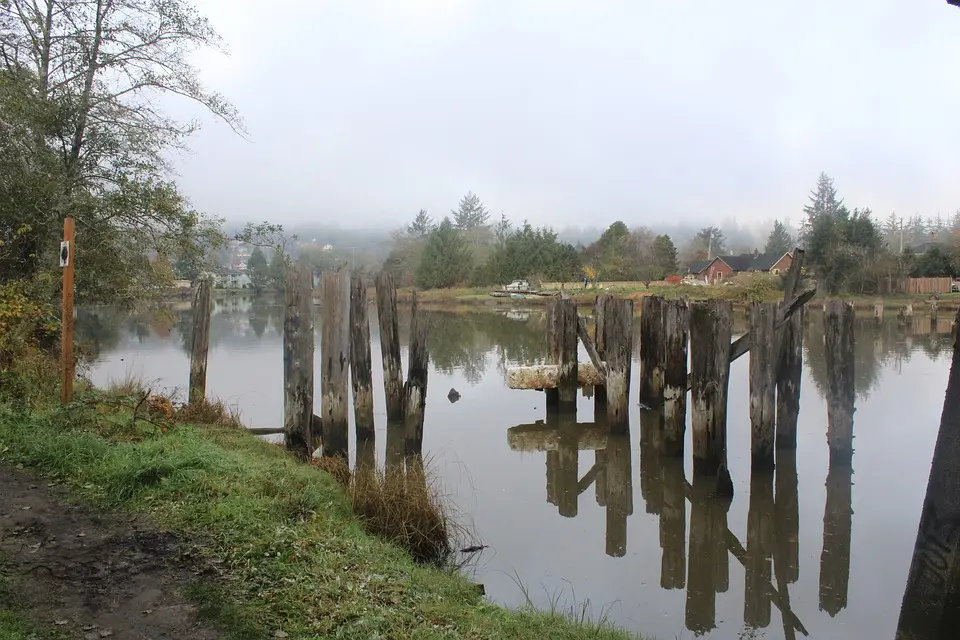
(723, 267)
(235, 281)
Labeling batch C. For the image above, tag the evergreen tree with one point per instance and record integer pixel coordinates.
(446, 258)
(471, 213)
(258, 270)
(664, 256)
(421, 225)
(779, 240)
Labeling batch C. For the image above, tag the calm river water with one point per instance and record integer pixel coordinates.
(637, 554)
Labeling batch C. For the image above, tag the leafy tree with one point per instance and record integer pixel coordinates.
(267, 235)
(529, 253)
(421, 225)
(779, 241)
(446, 258)
(257, 270)
(609, 255)
(278, 270)
(78, 85)
(471, 213)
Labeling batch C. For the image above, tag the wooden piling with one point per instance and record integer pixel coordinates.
(878, 313)
(788, 382)
(928, 610)
(415, 389)
(838, 343)
(298, 351)
(618, 347)
(599, 339)
(335, 362)
(762, 383)
(200, 341)
(562, 336)
(710, 329)
(676, 322)
(390, 345)
(361, 374)
(651, 351)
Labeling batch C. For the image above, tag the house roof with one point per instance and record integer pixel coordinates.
(738, 263)
(697, 266)
(765, 261)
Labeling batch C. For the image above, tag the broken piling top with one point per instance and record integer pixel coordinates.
(841, 393)
(711, 326)
(618, 346)
(562, 339)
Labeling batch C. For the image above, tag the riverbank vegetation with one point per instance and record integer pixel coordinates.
(281, 544)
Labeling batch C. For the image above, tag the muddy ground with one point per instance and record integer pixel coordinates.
(93, 576)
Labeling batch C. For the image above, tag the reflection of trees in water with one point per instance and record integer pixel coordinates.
(876, 347)
(98, 329)
(463, 340)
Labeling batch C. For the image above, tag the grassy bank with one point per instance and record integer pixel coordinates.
(289, 556)
(738, 295)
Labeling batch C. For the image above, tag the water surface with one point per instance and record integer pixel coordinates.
(574, 517)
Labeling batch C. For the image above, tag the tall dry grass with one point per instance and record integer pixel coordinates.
(404, 506)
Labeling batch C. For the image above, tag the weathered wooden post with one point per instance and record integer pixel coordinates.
(200, 341)
(835, 557)
(763, 389)
(933, 316)
(390, 345)
(618, 347)
(415, 389)
(651, 351)
(878, 314)
(710, 329)
(298, 348)
(929, 610)
(599, 339)
(361, 374)
(789, 375)
(760, 540)
(334, 363)
(562, 334)
(619, 493)
(841, 393)
(673, 529)
(676, 322)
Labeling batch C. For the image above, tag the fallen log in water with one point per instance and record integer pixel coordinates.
(546, 376)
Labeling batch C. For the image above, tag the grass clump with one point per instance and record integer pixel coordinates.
(286, 552)
(15, 623)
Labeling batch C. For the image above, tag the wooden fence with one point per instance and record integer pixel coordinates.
(925, 285)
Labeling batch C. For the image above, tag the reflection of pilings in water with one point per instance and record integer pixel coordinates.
(931, 599)
(786, 514)
(650, 448)
(835, 558)
(567, 464)
(673, 517)
(600, 459)
(760, 537)
(396, 442)
(708, 558)
(619, 487)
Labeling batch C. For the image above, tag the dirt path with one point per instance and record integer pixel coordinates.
(93, 576)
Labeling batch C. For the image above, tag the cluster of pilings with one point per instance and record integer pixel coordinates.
(344, 351)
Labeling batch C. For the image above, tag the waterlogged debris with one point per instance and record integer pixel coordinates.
(453, 395)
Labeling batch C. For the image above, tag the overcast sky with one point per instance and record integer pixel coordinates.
(579, 112)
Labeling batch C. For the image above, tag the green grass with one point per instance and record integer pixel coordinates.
(289, 554)
(15, 623)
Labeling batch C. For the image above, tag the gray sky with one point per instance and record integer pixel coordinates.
(579, 113)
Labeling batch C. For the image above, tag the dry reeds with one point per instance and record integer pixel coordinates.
(402, 507)
(213, 412)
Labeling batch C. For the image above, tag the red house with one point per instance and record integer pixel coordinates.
(722, 267)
